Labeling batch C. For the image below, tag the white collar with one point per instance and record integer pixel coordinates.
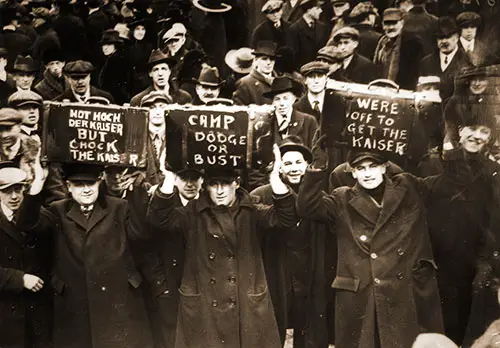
(82, 99)
(347, 61)
(154, 131)
(29, 130)
(320, 97)
(466, 44)
(9, 214)
(450, 56)
(92, 10)
(185, 201)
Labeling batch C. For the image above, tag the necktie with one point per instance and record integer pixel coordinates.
(445, 59)
(283, 126)
(317, 112)
(157, 145)
(86, 210)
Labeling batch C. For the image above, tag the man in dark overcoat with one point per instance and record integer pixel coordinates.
(421, 23)
(52, 84)
(25, 305)
(224, 298)
(362, 18)
(97, 301)
(273, 28)
(386, 289)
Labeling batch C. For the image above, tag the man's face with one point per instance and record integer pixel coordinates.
(55, 68)
(207, 93)
(369, 174)
(474, 138)
(315, 12)
(447, 44)
(346, 47)
(108, 49)
(392, 28)
(24, 80)
(79, 84)
(139, 32)
(316, 82)
(10, 140)
(283, 103)
(157, 113)
(31, 114)
(469, 33)
(340, 8)
(12, 196)
(84, 192)
(175, 44)
(478, 85)
(275, 15)
(160, 74)
(293, 167)
(222, 192)
(264, 64)
(189, 185)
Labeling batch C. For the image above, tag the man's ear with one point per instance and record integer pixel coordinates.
(356, 44)
(354, 174)
(384, 168)
(460, 130)
(238, 182)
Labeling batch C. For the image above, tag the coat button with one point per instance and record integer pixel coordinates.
(373, 256)
(13, 307)
(166, 292)
(232, 279)
(212, 280)
(487, 284)
(400, 252)
(376, 281)
(211, 256)
(400, 275)
(174, 262)
(214, 303)
(363, 238)
(495, 253)
(103, 288)
(10, 257)
(232, 301)
(231, 257)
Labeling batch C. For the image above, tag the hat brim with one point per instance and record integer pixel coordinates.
(224, 7)
(170, 61)
(4, 186)
(26, 71)
(299, 148)
(367, 156)
(316, 71)
(231, 60)
(209, 84)
(29, 102)
(188, 171)
(83, 177)
(270, 94)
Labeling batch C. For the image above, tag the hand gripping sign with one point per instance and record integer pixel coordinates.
(96, 134)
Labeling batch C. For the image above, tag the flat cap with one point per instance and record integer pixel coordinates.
(392, 14)
(22, 97)
(346, 33)
(468, 19)
(11, 176)
(327, 53)
(10, 117)
(78, 68)
(356, 156)
(155, 96)
(362, 8)
(314, 67)
(271, 5)
(433, 340)
(428, 80)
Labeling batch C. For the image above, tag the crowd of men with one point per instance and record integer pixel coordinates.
(324, 246)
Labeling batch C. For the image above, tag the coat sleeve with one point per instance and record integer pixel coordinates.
(241, 95)
(281, 214)
(31, 216)
(11, 280)
(312, 202)
(167, 213)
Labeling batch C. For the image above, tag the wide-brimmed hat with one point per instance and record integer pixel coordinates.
(22, 98)
(82, 171)
(110, 36)
(209, 76)
(356, 156)
(158, 57)
(295, 143)
(240, 60)
(468, 19)
(213, 6)
(446, 27)
(25, 65)
(265, 48)
(11, 176)
(282, 84)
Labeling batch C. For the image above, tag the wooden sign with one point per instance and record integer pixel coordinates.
(97, 134)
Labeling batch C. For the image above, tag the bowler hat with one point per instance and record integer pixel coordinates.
(392, 14)
(446, 27)
(265, 48)
(10, 117)
(240, 60)
(158, 57)
(78, 68)
(110, 36)
(314, 67)
(295, 143)
(155, 96)
(21, 98)
(282, 84)
(82, 171)
(25, 65)
(11, 176)
(346, 33)
(212, 6)
(271, 5)
(209, 76)
(468, 19)
(356, 156)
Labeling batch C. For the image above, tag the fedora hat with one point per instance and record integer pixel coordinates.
(295, 143)
(282, 84)
(266, 48)
(158, 57)
(110, 36)
(240, 60)
(209, 76)
(214, 6)
(25, 64)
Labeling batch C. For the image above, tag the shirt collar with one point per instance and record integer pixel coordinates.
(449, 55)
(82, 99)
(466, 44)
(316, 97)
(347, 61)
(185, 201)
(29, 130)
(160, 131)
(9, 214)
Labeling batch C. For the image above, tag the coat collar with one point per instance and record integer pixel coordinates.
(204, 202)
(76, 215)
(10, 228)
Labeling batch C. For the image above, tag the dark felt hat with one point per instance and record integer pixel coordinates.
(52, 55)
(10, 117)
(82, 171)
(468, 19)
(356, 156)
(265, 48)
(78, 68)
(282, 84)
(447, 27)
(25, 65)
(110, 36)
(209, 76)
(295, 143)
(221, 174)
(190, 173)
(158, 57)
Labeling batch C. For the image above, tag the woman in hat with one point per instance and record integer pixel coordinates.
(140, 47)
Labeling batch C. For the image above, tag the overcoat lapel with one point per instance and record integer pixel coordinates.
(10, 228)
(97, 215)
(393, 196)
(362, 204)
(76, 215)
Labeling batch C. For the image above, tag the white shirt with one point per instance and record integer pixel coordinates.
(316, 97)
(9, 214)
(82, 98)
(185, 201)
(346, 62)
(449, 57)
(467, 45)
